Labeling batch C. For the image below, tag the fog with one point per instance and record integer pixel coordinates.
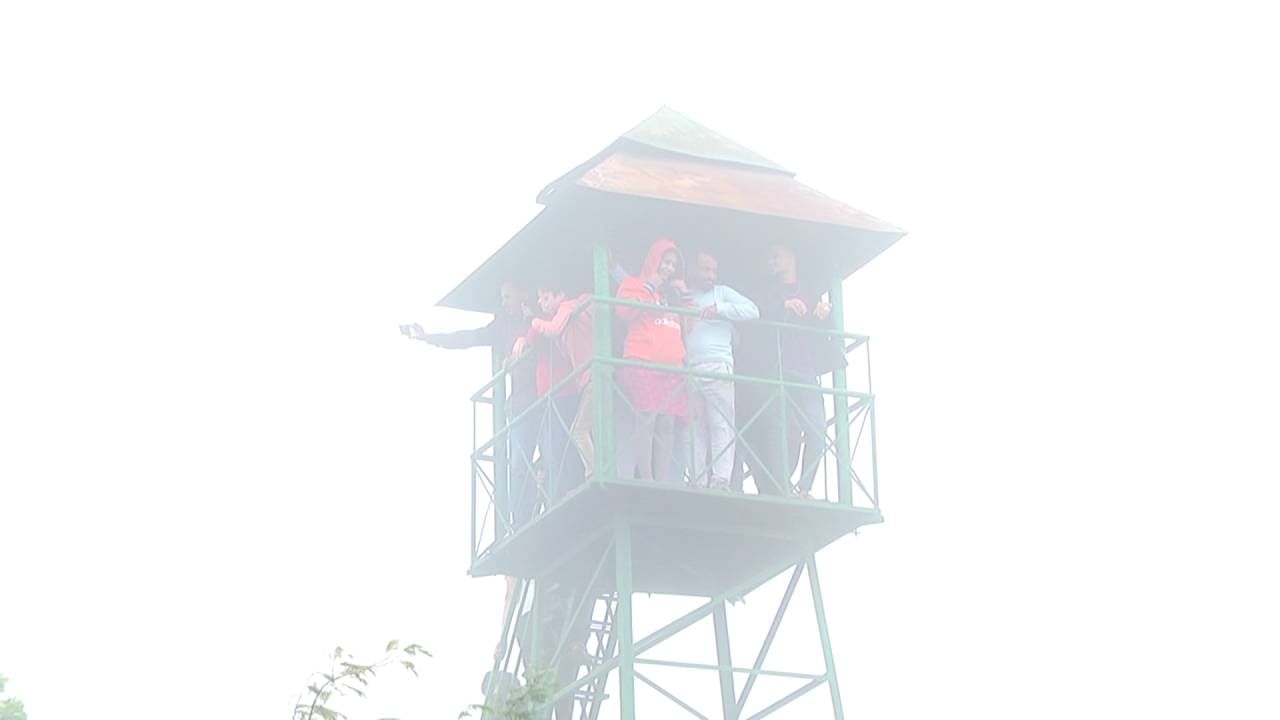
(219, 458)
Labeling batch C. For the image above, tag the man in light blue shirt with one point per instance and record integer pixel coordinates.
(709, 348)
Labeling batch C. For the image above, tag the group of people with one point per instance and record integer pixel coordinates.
(690, 420)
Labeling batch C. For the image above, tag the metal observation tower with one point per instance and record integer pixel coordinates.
(588, 552)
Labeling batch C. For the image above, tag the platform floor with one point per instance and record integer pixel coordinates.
(684, 541)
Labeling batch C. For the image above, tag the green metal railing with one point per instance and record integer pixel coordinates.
(513, 482)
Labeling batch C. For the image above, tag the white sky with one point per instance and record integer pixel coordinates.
(218, 458)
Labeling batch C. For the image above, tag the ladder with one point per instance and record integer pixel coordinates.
(600, 645)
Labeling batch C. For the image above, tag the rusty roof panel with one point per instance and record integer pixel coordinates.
(732, 187)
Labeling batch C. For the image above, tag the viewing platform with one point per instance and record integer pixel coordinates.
(686, 541)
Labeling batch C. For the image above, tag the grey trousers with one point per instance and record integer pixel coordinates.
(711, 417)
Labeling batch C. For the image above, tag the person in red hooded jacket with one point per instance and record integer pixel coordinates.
(654, 336)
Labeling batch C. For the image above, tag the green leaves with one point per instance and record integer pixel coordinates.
(11, 708)
(521, 702)
(346, 677)
(328, 714)
(355, 670)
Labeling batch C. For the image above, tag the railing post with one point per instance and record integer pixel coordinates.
(601, 370)
(784, 468)
(840, 381)
(875, 466)
(475, 443)
(500, 517)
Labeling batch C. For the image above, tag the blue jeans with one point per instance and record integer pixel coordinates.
(523, 497)
(560, 457)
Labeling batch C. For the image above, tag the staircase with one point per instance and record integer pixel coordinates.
(599, 645)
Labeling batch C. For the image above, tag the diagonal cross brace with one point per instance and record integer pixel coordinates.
(674, 627)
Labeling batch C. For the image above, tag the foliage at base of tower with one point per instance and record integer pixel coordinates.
(516, 701)
(11, 708)
(346, 677)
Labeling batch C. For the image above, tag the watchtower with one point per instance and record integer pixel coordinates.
(589, 549)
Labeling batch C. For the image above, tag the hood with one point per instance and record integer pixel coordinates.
(654, 258)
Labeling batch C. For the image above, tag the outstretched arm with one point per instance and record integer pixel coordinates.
(453, 340)
(479, 337)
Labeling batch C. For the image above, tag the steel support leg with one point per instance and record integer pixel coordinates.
(837, 707)
(622, 623)
(768, 639)
(725, 660)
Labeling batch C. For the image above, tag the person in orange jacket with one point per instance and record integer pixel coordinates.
(654, 336)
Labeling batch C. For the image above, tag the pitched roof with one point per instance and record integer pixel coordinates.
(681, 175)
(670, 157)
(668, 130)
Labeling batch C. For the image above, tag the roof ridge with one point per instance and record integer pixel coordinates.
(672, 131)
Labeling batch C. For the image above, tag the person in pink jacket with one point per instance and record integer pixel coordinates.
(655, 336)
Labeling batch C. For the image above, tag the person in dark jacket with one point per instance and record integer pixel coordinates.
(805, 356)
(796, 356)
